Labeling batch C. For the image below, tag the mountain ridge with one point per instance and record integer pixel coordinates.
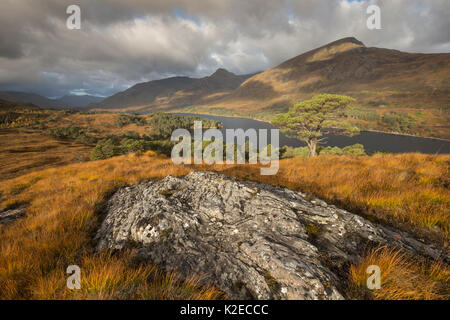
(67, 101)
(28, 98)
(347, 66)
(174, 91)
(374, 76)
(79, 101)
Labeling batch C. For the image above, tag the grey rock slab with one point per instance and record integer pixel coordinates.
(249, 239)
(6, 217)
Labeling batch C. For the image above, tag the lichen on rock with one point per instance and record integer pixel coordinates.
(249, 239)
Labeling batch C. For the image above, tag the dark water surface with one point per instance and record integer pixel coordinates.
(372, 141)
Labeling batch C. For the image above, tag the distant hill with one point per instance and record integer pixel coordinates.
(68, 101)
(373, 76)
(175, 92)
(29, 98)
(75, 101)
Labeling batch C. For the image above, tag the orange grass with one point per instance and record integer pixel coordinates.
(57, 232)
(62, 205)
(402, 278)
(23, 151)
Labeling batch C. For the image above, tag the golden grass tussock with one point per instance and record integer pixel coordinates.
(114, 276)
(402, 277)
(63, 203)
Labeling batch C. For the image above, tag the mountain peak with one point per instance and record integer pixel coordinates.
(349, 40)
(221, 72)
(330, 50)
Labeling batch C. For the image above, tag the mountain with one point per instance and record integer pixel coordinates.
(175, 92)
(28, 98)
(67, 101)
(75, 101)
(374, 76)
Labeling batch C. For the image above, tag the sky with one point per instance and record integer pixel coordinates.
(122, 43)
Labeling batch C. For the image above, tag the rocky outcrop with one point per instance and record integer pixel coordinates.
(251, 240)
(9, 216)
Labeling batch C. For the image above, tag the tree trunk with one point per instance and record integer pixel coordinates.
(312, 145)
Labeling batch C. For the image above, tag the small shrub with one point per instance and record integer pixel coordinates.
(126, 119)
(105, 149)
(354, 150)
(72, 133)
(398, 121)
(303, 152)
(131, 145)
(289, 152)
(365, 114)
(164, 124)
(331, 150)
(131, 135)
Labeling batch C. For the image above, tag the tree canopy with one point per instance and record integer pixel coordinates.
(308, 120)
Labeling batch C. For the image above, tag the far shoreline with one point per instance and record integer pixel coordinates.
(264, 121)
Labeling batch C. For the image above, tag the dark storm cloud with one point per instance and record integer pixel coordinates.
(124, 42)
